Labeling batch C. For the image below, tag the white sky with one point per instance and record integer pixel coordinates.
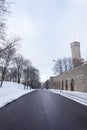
(47, 28)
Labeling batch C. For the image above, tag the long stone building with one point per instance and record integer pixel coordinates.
(74, 79)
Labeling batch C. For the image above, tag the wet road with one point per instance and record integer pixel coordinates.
(43, 110)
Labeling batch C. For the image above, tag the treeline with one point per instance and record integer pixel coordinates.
(14, 67)
(62, 65)
(46, 84)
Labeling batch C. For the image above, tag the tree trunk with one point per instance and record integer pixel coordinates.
(3, 76)
(18, 75)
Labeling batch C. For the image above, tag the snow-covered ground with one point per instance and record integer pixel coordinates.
(11, 91)
(76, 96)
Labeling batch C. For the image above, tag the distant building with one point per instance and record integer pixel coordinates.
(74, 79)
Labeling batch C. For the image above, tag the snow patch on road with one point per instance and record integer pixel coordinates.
(76, 96)
(11, 91)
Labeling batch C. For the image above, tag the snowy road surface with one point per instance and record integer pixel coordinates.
(43, 110)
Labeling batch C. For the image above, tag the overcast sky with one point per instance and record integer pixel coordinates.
(47, 28)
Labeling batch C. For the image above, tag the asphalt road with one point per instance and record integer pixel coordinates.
(43, 110)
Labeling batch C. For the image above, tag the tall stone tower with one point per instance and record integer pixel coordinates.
(76, 54)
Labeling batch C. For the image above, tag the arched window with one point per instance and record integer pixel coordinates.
(66, 85)
(54, 85)
(59, 84)
(72, 84)
(62, 85)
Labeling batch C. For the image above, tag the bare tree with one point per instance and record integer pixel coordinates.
(26, 73)
(58, 69)
(19, 62)
(4, 9)
(65, 64)
(7, 44)
(12, 74)
(8, 55)
(62, 65)
(34, 77)
(70, 63)
(47, 84)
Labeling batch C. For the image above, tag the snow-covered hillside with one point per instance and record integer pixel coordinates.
(11, 91)
(76, 96)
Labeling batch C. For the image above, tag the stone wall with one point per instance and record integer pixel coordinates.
(74, 80)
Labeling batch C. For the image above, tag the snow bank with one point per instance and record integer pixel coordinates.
(11, 91)
(76, 96)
